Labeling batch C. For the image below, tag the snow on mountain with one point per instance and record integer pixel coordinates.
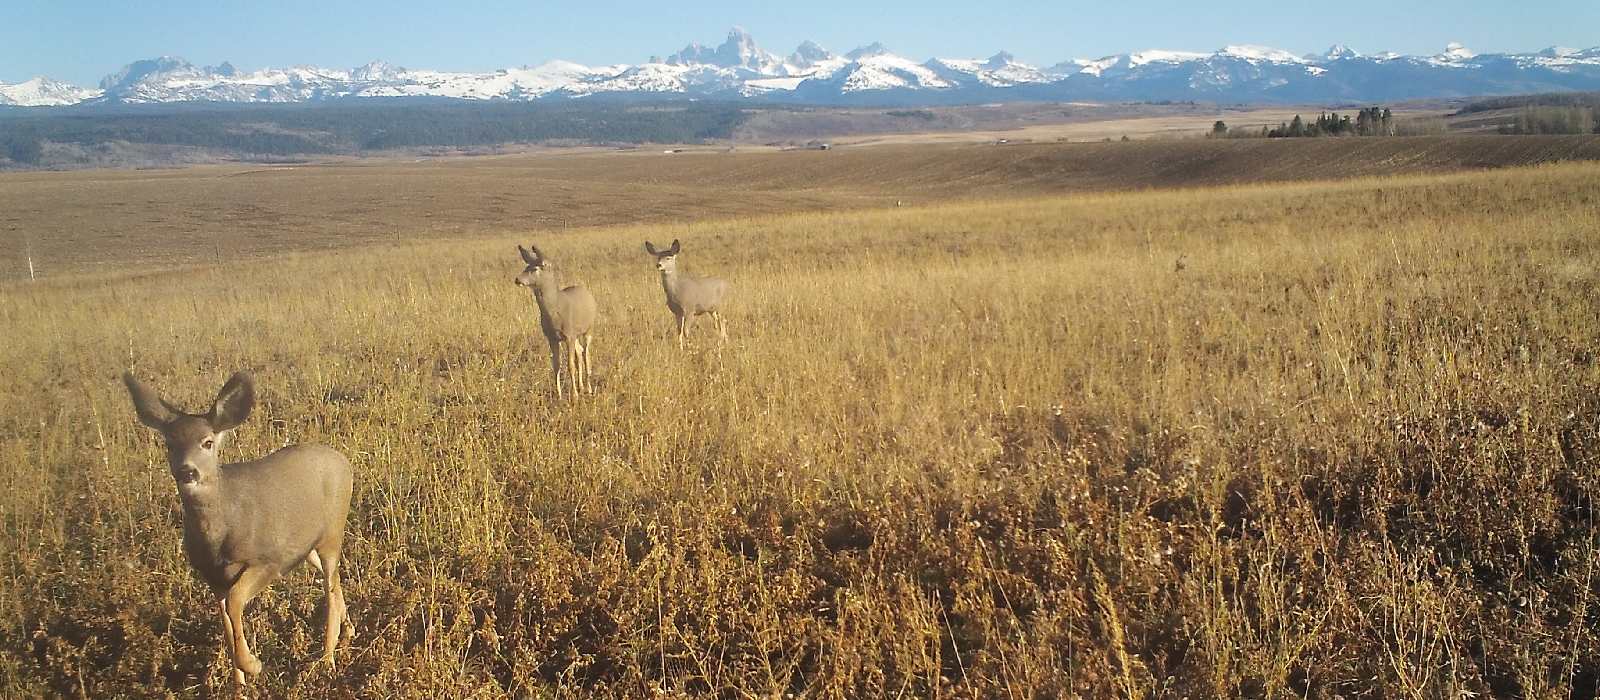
(999, 70)
(740, 68)
(1454, 54)
(1160, 56)
(1260, 53)
(44, 92)
(874, 68)
(1339, 52)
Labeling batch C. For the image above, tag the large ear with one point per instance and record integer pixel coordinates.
(536, 253)
(527, 257)
(234, 402)
(153, 411)
(649, 247)
(674, 249)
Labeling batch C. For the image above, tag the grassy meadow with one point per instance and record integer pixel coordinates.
(1297, 439)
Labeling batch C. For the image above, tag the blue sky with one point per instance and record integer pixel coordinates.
(82, 41)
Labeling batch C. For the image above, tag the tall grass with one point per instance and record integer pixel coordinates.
(999, 449)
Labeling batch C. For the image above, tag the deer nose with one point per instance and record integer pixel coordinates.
(186, 474)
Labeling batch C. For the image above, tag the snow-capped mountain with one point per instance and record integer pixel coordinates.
(44, 92)
(738, 68)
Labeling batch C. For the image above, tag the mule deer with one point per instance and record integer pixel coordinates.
(247, 523)
(688, 296)
(565, 315)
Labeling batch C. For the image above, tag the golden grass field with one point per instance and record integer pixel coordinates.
(112, 222)
(999, 447)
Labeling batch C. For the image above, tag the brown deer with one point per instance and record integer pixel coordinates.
(689, 296)
(565, 315)
(246, 524)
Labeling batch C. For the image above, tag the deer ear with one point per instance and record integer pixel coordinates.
(536, 254)
(527, 257)
(649, 248)
(234, 402)
(153, 411)
(674, 249)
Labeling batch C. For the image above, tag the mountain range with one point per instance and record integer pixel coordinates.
(739, 69)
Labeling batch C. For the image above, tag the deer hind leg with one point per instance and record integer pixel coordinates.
(581, 382)
(333, 594)
(588, 370)
(722, 326)
(251, 581)
(576, 380)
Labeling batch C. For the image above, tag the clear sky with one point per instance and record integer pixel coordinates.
(80, 41)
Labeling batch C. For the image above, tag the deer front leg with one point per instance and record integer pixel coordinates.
(227, 639)
(555, 365)
(681, 323)
(250, 582)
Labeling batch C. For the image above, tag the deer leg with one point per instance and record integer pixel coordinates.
(333, 594)
(572, 367)
(588, 371)
(555, 365)
(579, 366)
(250, 582)
(680, 331)
(227, 639)
(722, 326)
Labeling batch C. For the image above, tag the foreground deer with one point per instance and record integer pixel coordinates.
(565, 315)
(247, 523)
(689, 296)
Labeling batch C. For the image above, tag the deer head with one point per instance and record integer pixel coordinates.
(666, 260)
(194, 440)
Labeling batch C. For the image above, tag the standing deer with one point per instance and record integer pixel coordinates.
(689, 296)
(246, 524)
(565, 315)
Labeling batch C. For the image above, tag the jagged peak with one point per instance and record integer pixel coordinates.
(1000, 60)
(875, 48)
(1340, 51)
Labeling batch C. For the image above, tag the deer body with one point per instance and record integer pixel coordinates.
(689, 296)
(566, 315)
(246, 524)
(239, 523)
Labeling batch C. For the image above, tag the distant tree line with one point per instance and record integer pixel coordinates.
(1372, 121)
(283, 130)
(1550, 99)
(1553, 120)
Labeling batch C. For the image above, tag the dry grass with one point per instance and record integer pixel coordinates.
(116, 222)
(982, 449)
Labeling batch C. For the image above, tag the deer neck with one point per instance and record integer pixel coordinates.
(545, 289)
(670, 282)
(205, 520)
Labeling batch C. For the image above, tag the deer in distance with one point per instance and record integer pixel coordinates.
(565, 315)
(246, 524)
(689, 296)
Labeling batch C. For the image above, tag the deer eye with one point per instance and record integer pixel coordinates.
(208, 443)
